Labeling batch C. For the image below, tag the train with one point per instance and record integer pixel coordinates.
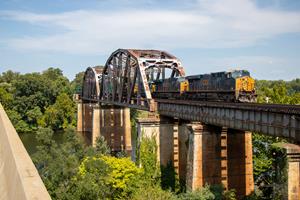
(228, 86)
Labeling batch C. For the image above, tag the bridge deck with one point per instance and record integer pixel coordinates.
(272, 119)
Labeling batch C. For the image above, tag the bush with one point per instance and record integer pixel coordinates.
(199, 194)
(153, 193)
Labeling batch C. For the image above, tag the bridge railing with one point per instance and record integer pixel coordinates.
(19, 178)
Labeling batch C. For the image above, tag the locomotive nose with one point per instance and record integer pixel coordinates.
(245, 84)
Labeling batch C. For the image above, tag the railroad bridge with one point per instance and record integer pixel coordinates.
(207, 142)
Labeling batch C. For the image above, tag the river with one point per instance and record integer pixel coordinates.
(31, 143)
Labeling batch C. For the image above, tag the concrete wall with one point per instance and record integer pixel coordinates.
(19, 179)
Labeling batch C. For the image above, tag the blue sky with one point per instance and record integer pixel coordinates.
(262, 36)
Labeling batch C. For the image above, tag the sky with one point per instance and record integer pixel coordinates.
(262, 36)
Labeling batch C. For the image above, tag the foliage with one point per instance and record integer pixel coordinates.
(9, 76)
(76, 84)
(16, 119)
(169, 178)
(101, 146)
(148, 159)
(57, 165)
(124, 176)
(91, 181)
(5, 98)
(26, 97)
(278, 91)
(153, 193)
(199, 194)
(61, 114)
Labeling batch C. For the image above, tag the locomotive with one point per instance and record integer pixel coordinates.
(231, 86)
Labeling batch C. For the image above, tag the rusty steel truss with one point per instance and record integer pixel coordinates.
(127, 73)
(91, 87)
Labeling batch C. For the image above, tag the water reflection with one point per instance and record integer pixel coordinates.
(30, 142)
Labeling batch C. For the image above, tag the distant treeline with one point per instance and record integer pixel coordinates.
(283, 92)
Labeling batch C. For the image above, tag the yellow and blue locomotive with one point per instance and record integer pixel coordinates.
(232, 86)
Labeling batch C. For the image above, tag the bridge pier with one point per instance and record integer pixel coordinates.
(162, 130)
(203, 154)
(290, 173)
(113, 123)
(240, 164)
(220, 156)
(204, 158)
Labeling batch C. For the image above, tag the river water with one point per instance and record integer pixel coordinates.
(31, 143)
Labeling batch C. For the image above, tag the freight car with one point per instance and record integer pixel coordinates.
(232, 86)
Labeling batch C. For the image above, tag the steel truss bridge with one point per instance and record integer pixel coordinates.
(124, 82)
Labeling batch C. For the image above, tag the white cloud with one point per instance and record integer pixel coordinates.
(210, 24)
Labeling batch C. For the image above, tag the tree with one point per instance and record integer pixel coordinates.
(124, 176)
(148, 159)
(19, 124)
(58, 83)
(34, 117)
(76, 84)
(57, 165)
(9, 76)
(101, 146)
(90, 183)
(5, 98)
(61, 114)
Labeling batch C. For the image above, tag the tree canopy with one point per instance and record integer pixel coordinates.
(39, 99)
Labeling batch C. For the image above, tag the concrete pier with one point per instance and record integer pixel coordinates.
(113, 123)
(292, 170)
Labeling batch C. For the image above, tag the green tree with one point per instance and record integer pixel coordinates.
(5, 98)
(90, 183)
(148, 159)
(101, 147)
(57, 165)
(34, 117)
(124, 176)
(76, 84)
(19, 124)
(9, 76)
(61, 114)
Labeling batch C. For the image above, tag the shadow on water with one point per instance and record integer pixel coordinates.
(30, 142)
